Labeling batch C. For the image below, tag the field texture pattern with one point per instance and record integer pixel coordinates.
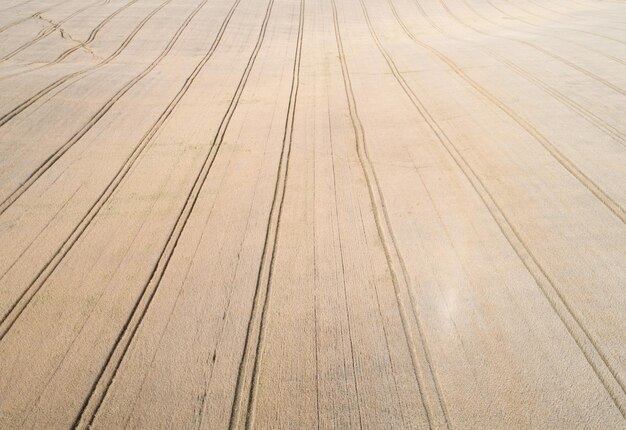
(312, 214)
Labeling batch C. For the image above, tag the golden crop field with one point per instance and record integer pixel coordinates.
(313, 214)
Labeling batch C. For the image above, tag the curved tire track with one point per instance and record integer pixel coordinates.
(587, 182)
(242, 412)
(92, 36)
(47, 32)
(9, 318)
(579, 45)
(59, 152)
(576, 107)
(560, 59)
(595, 356)
(94, 32)
(436, 410)
(587, 114)
(4, 119)
(118, 351)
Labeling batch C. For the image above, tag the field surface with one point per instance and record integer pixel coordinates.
(301, 214)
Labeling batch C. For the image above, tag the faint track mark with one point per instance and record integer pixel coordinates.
(595, 356)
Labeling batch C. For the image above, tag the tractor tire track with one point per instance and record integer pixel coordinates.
(545, 18)
(594, 355)
(585, 113)
(540, 6)
(560, 59)
(243, 409)
(34, 15)
(81, 45)
(579, 45)
(592, 118)
(41, 93)
(9, 318)
(118, 351)
(588, 183)
(621, 42)
(54, 27)
(576, 30)
(94, 32)
(437, 413)
(559, 22)
(601, 36)
(59, 152)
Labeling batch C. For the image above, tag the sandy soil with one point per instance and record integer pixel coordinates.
(302, 214)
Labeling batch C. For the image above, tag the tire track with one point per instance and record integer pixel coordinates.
(244, 402)
(94, 32)
(621, 42)
(436, 411)
(59, 152)
(9, 318)
(573, 23)
(34, 15)
(118, 351)
(208, 376)
(47, 32)
(573, 29)
(592, 351)
(585, 113)
(69, 51)
(578, 30)
(560, 59)
(41, 93)
(530, 23)
(592, 118)
(587, 182)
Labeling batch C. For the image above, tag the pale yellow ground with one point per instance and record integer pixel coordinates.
(302, 214)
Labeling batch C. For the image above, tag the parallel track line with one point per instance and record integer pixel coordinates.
(436, 411)
(9, 318)
(594, 355)
(4, 119)
(125, 337)
(244, 417)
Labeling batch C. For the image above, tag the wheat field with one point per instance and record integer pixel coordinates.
(313, 214)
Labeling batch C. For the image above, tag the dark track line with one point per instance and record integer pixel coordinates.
(578, 30)
(240, 416)
(94, 32)
(16, 5)
(69, 51)
(9, 318)
(55, 26)
(565, 162)
(592, 118)
(437, 413)
(529, 23)
(118, 351)
(28, 102)
(585, 113)
(60, 151)
(590, 349)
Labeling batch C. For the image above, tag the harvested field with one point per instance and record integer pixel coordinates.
(301, 214)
